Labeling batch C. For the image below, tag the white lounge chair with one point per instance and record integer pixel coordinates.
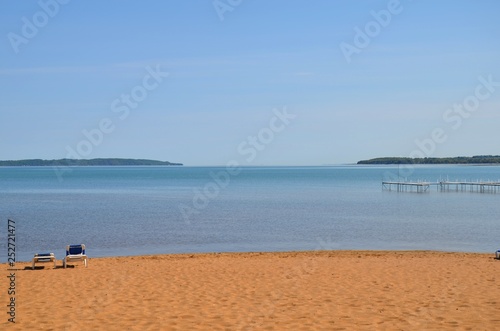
(43, 258)
(75, 253)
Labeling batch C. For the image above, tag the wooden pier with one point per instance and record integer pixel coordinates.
(443, 186)
(480, 187)
(419, 187)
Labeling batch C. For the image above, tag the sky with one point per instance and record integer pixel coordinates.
(284, 82)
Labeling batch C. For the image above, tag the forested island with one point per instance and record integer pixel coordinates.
(478, 159)
(90, 162)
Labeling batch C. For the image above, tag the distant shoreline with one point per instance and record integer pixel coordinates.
(473, 160)
(86, 162)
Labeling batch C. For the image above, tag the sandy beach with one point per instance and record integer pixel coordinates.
(320, 290)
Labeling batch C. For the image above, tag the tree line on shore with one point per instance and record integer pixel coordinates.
(478, 159)
(89, 162)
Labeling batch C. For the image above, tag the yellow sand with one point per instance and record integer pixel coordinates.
(328, 290)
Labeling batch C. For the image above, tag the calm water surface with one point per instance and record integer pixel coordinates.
(149, 210)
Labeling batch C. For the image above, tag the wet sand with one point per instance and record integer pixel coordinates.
(320, 290)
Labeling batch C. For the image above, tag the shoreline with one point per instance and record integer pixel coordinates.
(370, 251)
(297, 290)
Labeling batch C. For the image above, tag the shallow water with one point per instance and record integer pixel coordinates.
(149, 210)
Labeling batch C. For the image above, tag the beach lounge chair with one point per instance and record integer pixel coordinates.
(43, 258)
(75, 253)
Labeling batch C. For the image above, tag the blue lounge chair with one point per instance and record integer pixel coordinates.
(43, 258)
(75, 253)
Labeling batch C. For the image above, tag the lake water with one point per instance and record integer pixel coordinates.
(150, 210)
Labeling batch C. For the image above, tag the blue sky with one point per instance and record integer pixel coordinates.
(227, 79)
